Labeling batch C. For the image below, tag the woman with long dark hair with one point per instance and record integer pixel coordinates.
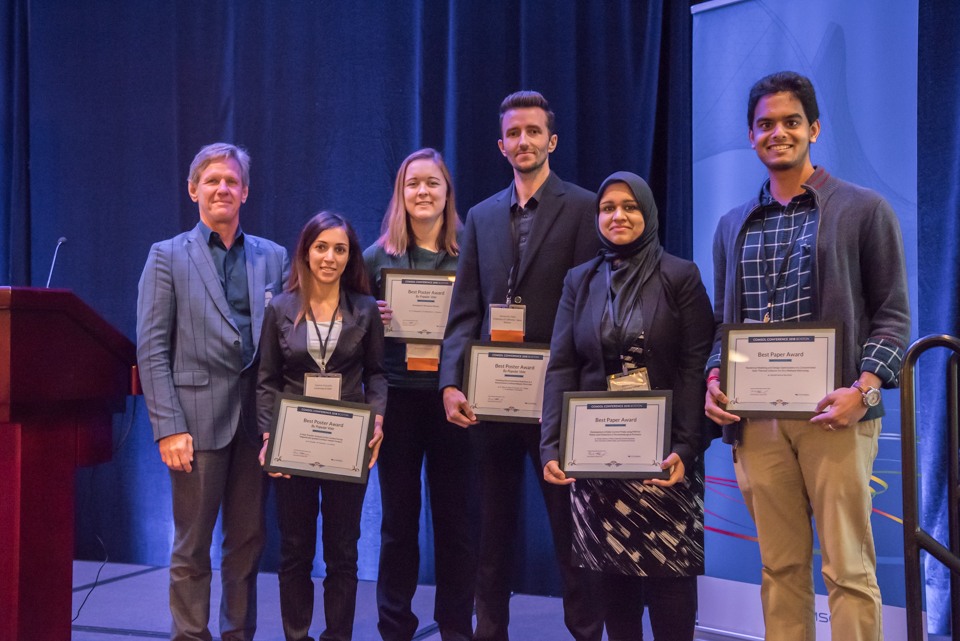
(635, 307)
(326, 321)
(420, 232)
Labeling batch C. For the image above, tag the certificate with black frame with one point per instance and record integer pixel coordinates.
(321, 438)
(420, 300)
(622, 435)
(504, 381)
(780, 370)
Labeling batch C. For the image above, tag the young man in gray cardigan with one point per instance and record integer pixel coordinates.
(811, 247)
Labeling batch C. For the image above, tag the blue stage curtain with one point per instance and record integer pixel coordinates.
(328, 98)
(14, 144)
(938, 194)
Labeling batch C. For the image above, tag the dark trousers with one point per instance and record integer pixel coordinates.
(502, 449)
(672, 602)
(228, 479)
(298, 505)
(415, 426)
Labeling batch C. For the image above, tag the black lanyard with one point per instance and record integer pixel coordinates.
(324, 343)
(769, 279)
(618, 329)
(515, 267)
(515, 234)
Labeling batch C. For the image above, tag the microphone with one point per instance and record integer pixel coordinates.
(54, 262)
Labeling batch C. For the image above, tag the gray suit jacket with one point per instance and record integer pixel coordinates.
(188, 347)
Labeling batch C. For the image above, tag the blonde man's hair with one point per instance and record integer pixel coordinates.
(219, 151)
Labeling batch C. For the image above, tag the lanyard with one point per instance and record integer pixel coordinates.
(324, 343)
(618, 329)
(515, 267)
(769, 279)
(515, 236)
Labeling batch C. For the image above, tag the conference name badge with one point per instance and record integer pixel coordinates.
(507, 323)
(326, 386)
(634, 381)
(423, 358)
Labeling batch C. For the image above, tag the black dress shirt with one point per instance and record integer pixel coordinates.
(231, 267)
(521, 219)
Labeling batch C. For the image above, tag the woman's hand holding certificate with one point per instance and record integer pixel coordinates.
(617, 434)
(322, 438)
(415, 303)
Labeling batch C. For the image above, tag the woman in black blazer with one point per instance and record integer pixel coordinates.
(325, 321)
(643, 536)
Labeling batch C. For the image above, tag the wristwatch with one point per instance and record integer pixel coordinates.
(871, 395)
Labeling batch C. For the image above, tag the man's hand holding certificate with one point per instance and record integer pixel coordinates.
(779, 370)
(504, 381)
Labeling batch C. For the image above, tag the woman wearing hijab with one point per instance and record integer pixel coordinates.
(635, 307)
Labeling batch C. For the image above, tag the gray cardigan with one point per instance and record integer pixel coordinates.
(859, 275)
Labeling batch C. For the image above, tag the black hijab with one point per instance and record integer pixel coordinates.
(631, 264)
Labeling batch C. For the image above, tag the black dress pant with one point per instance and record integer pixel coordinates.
(502, 449)
(298, 505)
(672, 603)
(228, 480)
(415, 426)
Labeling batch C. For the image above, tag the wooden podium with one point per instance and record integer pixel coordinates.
(64, 372)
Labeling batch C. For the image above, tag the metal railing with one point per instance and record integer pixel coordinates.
(916, 539)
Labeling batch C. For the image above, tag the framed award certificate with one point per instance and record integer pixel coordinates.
(420, 300)
(504, 381)
(780, 370)
(615, 434)
(322, 438)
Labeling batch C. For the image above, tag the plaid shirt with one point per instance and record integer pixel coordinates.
(767, 237)
(770, 234)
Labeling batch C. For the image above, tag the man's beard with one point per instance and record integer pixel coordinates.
(785, 165)
(530, 169)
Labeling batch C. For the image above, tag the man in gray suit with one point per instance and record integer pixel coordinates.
(200, 308)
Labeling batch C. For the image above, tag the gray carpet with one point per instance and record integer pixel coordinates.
(131, 602)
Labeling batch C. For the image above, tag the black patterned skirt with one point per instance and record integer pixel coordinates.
(626, 527)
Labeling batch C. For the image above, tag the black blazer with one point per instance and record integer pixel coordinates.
(563, 236)
(358, 355)
(678, 331)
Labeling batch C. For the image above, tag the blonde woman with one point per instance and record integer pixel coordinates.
(420, 232)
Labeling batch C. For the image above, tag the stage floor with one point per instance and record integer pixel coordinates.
(132, 601)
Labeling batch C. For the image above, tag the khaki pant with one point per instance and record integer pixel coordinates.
(788, 470)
